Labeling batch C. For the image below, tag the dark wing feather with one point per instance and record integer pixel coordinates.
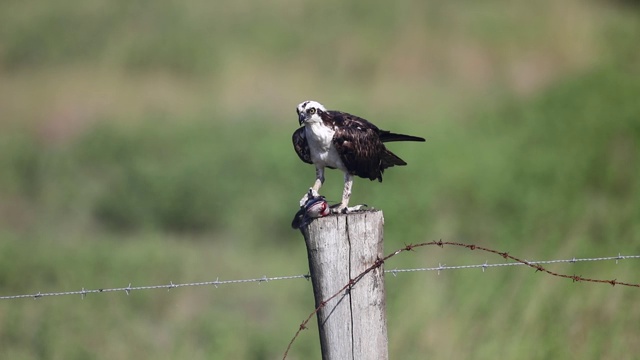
(343, 119)
(360, 145)
(388, 136)
(301, 146)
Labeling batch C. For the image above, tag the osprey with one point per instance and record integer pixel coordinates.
(338, 140)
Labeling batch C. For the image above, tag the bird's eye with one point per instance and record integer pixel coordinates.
(311, 111)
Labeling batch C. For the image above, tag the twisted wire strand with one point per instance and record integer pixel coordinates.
(128, 289)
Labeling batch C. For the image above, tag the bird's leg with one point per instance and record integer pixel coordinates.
(313, 191)
(343, 207)
(319, 181)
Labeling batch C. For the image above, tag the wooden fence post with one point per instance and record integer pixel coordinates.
(353, 325)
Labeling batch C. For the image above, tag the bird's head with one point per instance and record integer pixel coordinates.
(309, 112)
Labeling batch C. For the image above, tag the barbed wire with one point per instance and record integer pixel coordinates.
(169, 286)
(441, 267)
(410, 247)
(535, 262)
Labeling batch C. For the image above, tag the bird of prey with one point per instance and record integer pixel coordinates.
(338, 140)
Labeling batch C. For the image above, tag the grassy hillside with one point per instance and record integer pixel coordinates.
(148, 143)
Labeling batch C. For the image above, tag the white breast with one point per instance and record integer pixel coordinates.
(323, 153)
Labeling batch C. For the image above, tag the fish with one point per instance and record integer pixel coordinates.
(315, 207)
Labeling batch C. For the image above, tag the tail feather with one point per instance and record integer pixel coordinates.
(387, 136)
(390, 159)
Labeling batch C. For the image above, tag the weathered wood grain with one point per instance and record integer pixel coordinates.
(353, 325)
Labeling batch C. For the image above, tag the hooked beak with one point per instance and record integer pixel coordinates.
(301, 117)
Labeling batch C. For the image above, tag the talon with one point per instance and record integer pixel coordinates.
(311, 194)
(357, 208)
(341, 209)
(304, 200)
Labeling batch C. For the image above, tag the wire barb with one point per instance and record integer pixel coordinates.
(537, 265)
(533, 264)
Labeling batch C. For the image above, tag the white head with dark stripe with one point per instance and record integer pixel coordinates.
(309, 112)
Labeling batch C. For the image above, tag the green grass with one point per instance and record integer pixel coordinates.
(148, 144)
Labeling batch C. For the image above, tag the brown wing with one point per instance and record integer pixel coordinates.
(360, 151)
(301, 146)
(360, 145)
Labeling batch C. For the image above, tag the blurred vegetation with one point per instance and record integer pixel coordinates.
(147, 142)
